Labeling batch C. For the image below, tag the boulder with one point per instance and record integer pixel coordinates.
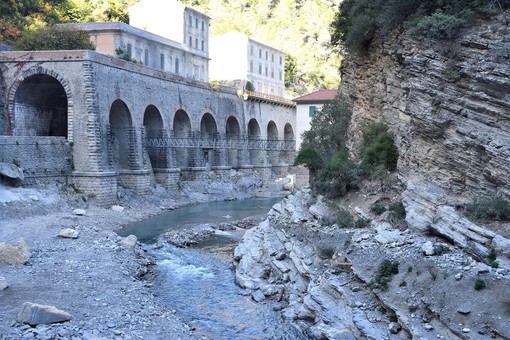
(68, 233)
(11, 170)
(14, 254)
(79, 212)
(3, 283)
(428, 248)
(35, 314)
(117, 208)
(258, 296)
(128, 242)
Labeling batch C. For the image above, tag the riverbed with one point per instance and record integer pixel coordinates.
(199, 283)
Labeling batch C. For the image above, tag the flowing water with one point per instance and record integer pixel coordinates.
(199, 284)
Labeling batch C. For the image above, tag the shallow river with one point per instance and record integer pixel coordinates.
(200, 286)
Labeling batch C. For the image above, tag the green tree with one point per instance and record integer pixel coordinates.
(54, 38)
(378, 151)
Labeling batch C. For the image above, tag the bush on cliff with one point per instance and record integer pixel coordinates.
(54, 38)
(359, 22)
(378, 151)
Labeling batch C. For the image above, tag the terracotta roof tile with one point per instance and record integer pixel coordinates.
(317, 97)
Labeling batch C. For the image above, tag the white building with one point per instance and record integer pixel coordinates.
(307, 107)
(163, 34)
(237, 58)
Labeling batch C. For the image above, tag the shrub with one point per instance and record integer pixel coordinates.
(496, 208)
(385, 272)
(337, 176)
(480, 284)
(249, 86)
(344, 219)
(491, 257)
(326, 252)
(398, 211)
(377, 209)
(439, 25)
(310, 158)
(362, 222)
(54, 38)
(378, 151)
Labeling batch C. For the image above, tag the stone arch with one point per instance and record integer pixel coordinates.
(288, 132)
(40, 104)
(182, 124)
(154, 129)
(272, 130)
(122, 135)
(182, 130)
(253, 129)
(232, 128)
(208, 126)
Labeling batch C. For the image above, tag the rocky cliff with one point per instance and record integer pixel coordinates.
(448, 104)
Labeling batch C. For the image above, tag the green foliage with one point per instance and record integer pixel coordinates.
(385, 272)
(249, 86)
(338, 174)
(377, 209)
(54, 38)
(344, 219)
(398, 211)
(480, 284)
(378, 151)
(326, 252)
(491, 257)
(497, 209)
(310, 158)
(359, 22)
(362, 222)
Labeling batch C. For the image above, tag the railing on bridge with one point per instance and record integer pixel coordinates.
(221, 142)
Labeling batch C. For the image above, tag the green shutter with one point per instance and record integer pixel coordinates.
(312, 110)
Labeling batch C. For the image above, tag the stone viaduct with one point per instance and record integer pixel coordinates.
(101, 122)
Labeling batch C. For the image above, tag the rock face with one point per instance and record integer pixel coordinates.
(35, 314)
(448, 106)
(327, 280)
(14, 254)
(11, 171)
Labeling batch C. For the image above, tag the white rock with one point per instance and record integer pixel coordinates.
(3, 283)
(428, 248)
(79, 212)
(466, 330)
(35, 314)
(68, 233)
(14, 254)
(34, 198)
(117, 208)
(128, 242)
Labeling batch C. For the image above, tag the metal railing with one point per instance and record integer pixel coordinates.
(216, 142)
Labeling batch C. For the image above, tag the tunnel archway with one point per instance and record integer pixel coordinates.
(253, 129)
(181, 124)
(41, 107)
(153, 124)
(232, 128)
(208, 127)
(122, 134)
(272, 130)
(288, 132)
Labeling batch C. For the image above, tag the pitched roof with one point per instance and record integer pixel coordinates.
(321, 96)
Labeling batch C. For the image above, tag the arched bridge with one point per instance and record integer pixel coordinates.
(128, 124)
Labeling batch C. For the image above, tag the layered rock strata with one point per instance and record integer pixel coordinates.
(448, 104)
(326, 278)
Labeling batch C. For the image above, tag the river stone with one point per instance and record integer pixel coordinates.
(11, 170)
(14, 254)
(428, 248)
(35, 314)
(117, 208)
(3, 283)
(128, 242)
(68, 233)
(79, 212)
(394, 327)
(258, 296)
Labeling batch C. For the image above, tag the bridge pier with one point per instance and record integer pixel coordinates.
(101, 185)
(168, 178)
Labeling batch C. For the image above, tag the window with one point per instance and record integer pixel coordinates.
(280, 75)
(312, 110)
(251, 66)
(272, 73)
(203, 46)
(129, 50)
(203, 26)
(280, 60)
(251, 49)
(260, 68)
(266, 55)
(196, 43)
(196, 22)
(176, 65)
(190, 41)
(146, 57)
(162, 61)
(260, 53)
(190, 21)
(265, 72)
(272, 57)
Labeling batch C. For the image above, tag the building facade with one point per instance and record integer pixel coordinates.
(307, 107)
(238, 58)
